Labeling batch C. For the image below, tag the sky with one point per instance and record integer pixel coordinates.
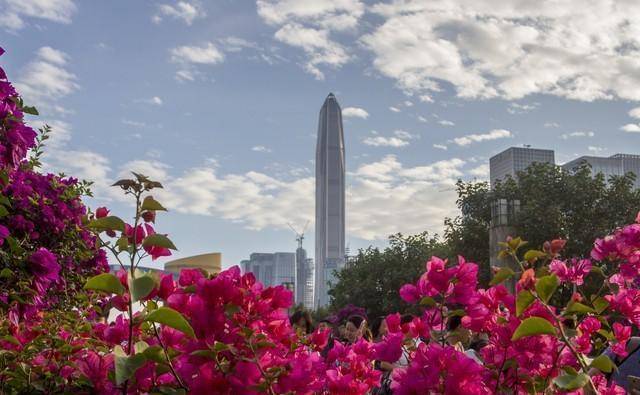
(219, 101)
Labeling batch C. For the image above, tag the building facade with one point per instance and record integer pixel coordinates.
(512, 160)
(330, 198)
(309, 293)
(615, 165)
(211, 262)
(272, 269)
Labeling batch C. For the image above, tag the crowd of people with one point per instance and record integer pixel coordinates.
(354, 327)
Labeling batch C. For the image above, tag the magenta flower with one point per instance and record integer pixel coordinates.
(574, 273)
(44, 266)
(622, 334)
(102, 212)
(4, 232)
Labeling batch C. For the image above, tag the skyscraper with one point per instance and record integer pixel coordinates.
(330, 197)
(272, 269)
(512, 160)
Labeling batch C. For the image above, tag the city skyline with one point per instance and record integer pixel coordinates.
(218, 101)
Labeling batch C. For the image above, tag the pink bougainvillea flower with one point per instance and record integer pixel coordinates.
(155, 251)
(574, 273)
(4, 232)
(102, 212)
(409, 293)
(44, 266)
(622, 334)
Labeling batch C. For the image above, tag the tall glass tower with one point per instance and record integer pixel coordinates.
(330, 197)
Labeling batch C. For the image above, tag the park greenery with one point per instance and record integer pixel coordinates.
(69, 325)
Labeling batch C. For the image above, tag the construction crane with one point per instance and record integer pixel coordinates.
(299, 235)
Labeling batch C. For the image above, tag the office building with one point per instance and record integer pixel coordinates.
(210, 262)
(330, 198)
(515, 159)
(615, 165)
(272, 269)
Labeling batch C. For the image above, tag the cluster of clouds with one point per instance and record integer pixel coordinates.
(481, 49)
(399, 138)
(14, 12)
(633, 127)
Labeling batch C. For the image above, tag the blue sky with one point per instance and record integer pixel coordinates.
(219, 101)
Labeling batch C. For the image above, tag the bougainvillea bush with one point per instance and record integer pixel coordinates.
(227, 334)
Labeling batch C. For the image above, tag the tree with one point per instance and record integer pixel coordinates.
(373, 278)
(554, 203)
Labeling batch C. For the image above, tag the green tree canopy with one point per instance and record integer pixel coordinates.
(372, 279)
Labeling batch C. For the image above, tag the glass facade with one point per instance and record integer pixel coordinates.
(510, 161)
(272, 268)
(615, 165)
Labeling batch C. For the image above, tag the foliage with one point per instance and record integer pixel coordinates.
(554, 203)
(373, 278)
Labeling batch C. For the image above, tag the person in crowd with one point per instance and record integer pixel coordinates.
(460, 338)
(379, 330)
(301, 322)
(356, 328)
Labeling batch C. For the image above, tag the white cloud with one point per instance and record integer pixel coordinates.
(45, 80)
(422, 119)
(355, 112)
(320, 49)
(510, 49)
(380, 141)
(595, 149)
(444, 122)
(476, 138)
(205, 54)
(236, 44)
(14, 12)
(551, 125)
(394, 109)
(567, 136)
(331, 14)
(408, 103)
(260, 148)
(155, 100)
(426, 99)
(135, 124)
(481, 171)
(631, 128)
(189, 56)
(517, 108)
(634, 112)
(400, 138)
(440, 146)
(183, 10)
(308, 25)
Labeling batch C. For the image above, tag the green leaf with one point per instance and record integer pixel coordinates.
(126, 366)
(3, 211)
(523, 300)
(151, 204)
(122, 243)
(546, 286)
(603, 363)
(533, 326)
(502, 275)
(205, 354)
(571, 382)
(533, 255)
(107, 223)
(30, 110)
(579, 308)
(600, 304)
(154, 353)
(158, 240)
(427, 301)
(141, 287)
(105, 282)
(15, 247)
(169, 317)
(6, 273)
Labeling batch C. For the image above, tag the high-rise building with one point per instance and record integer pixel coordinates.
(309, 290)
(615, 165)
(272, 269)
(330, 198)
(512, 160)
(301, 274)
